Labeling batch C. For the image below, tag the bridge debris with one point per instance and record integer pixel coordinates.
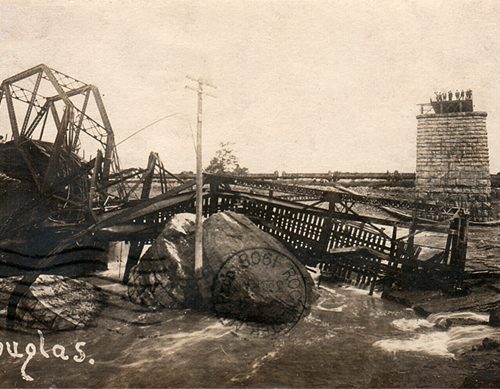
(77, 202)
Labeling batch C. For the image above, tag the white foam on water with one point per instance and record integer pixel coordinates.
(324, 301)
(328, 290)
(463, 338)
(312, 319)
(339, 309)
(364, 292)
(410, 325)
(434, 343)
(170, 344)
(470, 317)
(450, 343)
(258, 363)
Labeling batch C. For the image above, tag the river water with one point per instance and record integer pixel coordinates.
(349, 339)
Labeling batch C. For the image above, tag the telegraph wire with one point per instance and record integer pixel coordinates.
(147, 126)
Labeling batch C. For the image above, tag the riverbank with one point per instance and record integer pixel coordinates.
(481, 297)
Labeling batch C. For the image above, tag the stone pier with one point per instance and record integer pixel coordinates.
(453, 162)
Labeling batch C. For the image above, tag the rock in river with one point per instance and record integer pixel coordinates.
(164, 276)
(51, 303)
(249, 275)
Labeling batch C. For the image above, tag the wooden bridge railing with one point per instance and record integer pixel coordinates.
(348, 246)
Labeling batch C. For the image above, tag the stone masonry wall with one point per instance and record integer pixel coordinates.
(453, 161)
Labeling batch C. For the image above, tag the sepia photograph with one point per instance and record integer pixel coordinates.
(249, 194)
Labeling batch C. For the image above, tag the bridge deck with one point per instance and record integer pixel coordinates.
(344, 244)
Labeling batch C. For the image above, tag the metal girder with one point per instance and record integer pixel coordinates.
(25, 74)
(69, 127)
(32, 101)
(80, 121)
(55, 84)
(12, 112)
(71, 93)
(342, 196)
(64, 93)
(55, 115)
(110, 145)
(53, 165)
(36, 120)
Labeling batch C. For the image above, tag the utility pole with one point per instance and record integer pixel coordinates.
(198, 253)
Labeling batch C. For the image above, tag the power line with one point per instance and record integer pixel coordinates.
(147, 126)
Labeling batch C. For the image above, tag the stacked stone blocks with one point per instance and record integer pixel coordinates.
(453, 162)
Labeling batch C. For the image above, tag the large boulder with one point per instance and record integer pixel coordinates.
(50, 303)
(164, 275)
(249, 275)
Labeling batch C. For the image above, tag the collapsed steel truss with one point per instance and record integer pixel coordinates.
(71, 120)
(69, 109)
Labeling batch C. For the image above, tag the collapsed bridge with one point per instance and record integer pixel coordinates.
(321, 228)
(76, 199)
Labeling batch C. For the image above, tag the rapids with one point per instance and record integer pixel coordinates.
(349, 339)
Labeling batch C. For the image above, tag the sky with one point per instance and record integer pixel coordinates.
(302, 86)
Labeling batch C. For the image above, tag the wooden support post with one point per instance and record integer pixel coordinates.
(326, 230)
(459, 227)
(410, 244)
(136, 247)
(214, 197)
(148, 176)
(133, 257)
(394, 243)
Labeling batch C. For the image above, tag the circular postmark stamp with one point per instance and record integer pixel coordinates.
(260, 291)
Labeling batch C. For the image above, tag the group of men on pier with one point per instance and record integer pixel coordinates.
(463, 95)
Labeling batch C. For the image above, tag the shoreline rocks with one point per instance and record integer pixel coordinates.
(52, 303)
(483, 298)
(164, 276)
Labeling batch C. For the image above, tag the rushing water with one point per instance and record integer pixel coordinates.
(349, 339)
